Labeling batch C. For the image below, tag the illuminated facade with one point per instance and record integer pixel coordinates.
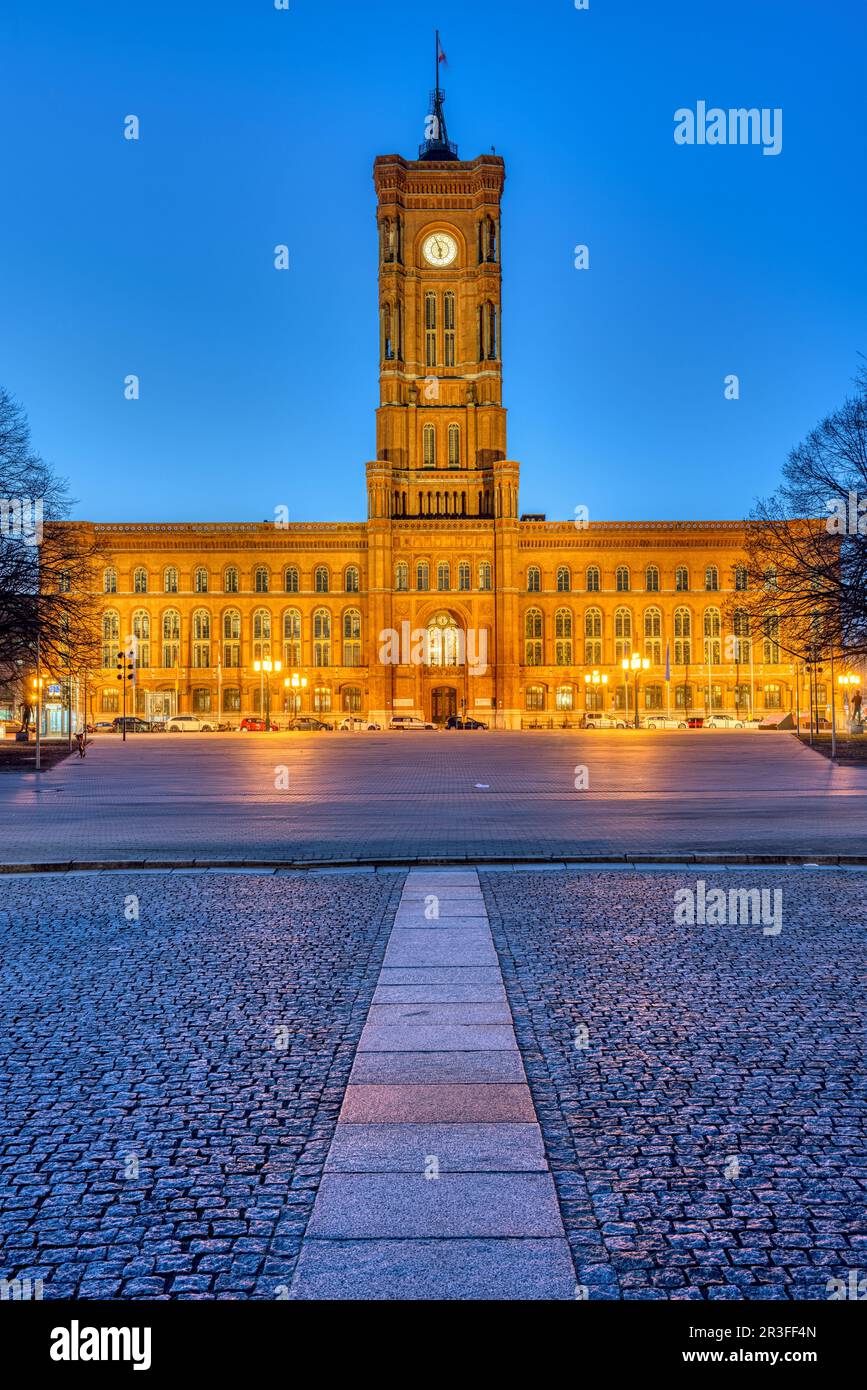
(446, 599)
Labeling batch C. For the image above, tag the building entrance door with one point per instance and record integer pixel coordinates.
(444, 703)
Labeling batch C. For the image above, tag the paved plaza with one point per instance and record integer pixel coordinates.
(401, 796)
(441, 1084)
(397, 1080)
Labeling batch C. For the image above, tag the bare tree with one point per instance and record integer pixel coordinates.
(47, 565)
(806, 545)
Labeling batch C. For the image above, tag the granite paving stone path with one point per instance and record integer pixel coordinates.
(436, 1184)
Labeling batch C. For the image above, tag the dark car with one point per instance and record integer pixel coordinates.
(306, 724)
(454, 721)
(134, 725)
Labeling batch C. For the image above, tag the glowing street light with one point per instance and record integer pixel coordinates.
(265, 687)
(634, 663)
(595, 680)
(295, 683)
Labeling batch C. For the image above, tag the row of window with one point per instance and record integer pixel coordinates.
(205, 701)
(738, 646)
(623, 579)
(231, 580)
(654, 697)
(443, 576)
(205, 652)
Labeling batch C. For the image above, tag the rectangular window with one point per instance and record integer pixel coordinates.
(430, 330)
(110, 703)
(653, 697)
(202, 701)
(322, 700)
(449, 329)
(232, 654)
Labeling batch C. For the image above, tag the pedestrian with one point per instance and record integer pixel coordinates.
(81, 741)
(856, 707)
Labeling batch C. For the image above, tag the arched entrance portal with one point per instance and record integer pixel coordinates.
(443, 703)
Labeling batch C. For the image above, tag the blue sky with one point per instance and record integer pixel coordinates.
(259, 127)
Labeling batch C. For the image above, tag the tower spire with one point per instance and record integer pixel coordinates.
(436, 142)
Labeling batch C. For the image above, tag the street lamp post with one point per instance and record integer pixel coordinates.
(634, 663)
(265, 686)
(594, 681)
(295, 682)
(36, 686)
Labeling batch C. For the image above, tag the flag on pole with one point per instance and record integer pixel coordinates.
(668, 661)
(441, 56)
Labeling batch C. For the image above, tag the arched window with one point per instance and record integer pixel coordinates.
(454, 446)
(534, 579)
(422, 576)
(291, 637)
(430, 329)
(712, 630)
(260, 580)
(401, 576)
(484, 576)
(201, 638)
(230, 580)
(464, 575)
(352, 637)
(290, 580)
(681, 579)
(321, 579)
(449, 328)
(771, 640)
(321, 637)
(682, 637)
(487, 239)
(651, 579)
(741, 578)
(110, 637)
(564, 579)
(429, 446)
(388, 240)
(351, 583)
(563, 637)
(387, 341)
(171, 638)
(261, 635)
(622, 633)
(621, 579)
(140, 581)
(742, 634)
(653, 636)
(444, 576)
(232, 638)
(593, 579)
(534, 697)
(141, 631)
(592, 637)
(711, 578)
(487, 331)
(533, 637)
(773, 697)
(200, 580)
(109, 580)
(170, 580)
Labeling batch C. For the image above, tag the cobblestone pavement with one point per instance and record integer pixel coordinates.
(402, 795)
(157, 1138)
(708, 1142)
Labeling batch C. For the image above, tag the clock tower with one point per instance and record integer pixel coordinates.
(441, 425)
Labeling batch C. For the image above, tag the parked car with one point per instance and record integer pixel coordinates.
(603, 721)
(454, 721)
(663, 721)
(253, 724)
(102, 726)
(407, 721)
(306, 724)
(723, 721)
(354, 722)
(189, 724)
(134, 725)
(695, 721)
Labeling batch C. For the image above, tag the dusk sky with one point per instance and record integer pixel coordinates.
(260, 126)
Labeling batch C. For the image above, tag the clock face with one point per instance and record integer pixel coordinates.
(440, 249)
